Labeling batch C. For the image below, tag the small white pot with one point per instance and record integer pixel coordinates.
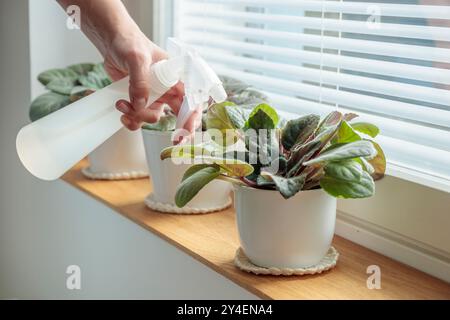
(166, 176)
(292, 233)
(120, 157)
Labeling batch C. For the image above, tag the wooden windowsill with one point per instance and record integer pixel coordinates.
(212, 239)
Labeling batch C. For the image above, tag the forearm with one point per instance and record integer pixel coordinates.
(103, 20)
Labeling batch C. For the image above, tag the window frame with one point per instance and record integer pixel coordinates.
(424, 188)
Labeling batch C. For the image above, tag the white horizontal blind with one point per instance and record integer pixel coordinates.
(387, 60)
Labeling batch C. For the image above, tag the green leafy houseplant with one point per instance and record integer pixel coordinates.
(335, 154)
(67, 85)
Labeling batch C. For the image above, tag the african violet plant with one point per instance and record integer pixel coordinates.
(67, 85)
(335, 154)
(238, 92)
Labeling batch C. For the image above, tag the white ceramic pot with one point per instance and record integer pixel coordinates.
(292, 233)
(166, 176)
(120, 157)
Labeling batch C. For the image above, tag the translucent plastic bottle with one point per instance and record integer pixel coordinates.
(53, 144)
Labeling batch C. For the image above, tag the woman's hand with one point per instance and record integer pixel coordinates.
(127, 51)
(133, 55)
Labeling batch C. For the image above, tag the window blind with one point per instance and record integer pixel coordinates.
(388, 61)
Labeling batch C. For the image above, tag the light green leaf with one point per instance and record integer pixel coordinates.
(218, 116)
(299, 130)
(46, 104)
(231, 167)
(351, 150)
(195, 179)
(366, 128)
(189, 151)
(99, 68)
(346, 179)
(263, 116)
(366, 165)
(288, 187)
(61, 86)
(81, 68)
(346, 170)
(94, 81)
(53, 74)
(346, 133)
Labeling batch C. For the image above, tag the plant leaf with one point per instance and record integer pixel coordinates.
(248, 97)
(233, 86)
(351, 150)
(366, 128)
(188, 151)
(349, 116)
(95, 79)
(232, 167)
(61, 86)
(346, 133)
(81, 68)
(53, 74)
(332, 119)
(193, 181)
(79, 92)
(298, 156)
(378, 163)
(366, 165)
(286, 186)
(346, 179)
(263, 116)
(225, 115)
(166, 122)
(299, 130)
(46, 104)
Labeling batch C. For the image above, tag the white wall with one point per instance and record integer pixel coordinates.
(46, 226)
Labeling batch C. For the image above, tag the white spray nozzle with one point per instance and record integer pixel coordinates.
(200, 81)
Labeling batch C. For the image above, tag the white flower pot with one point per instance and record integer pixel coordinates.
(166, 176)
(120, 157)
(292, 233)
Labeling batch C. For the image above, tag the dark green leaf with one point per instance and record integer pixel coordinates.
(288, 187)
(46, 104)
(263, 116)
(190, 186)
(299, 130)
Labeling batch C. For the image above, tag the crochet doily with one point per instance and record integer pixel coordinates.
(171, 208)
(87, 172)
(328, 262)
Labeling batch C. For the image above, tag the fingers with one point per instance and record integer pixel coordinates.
(128, 118)
(139, 70)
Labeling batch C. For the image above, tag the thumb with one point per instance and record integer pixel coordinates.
(139, 70)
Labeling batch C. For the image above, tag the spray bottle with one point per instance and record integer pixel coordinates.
(53, 144)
